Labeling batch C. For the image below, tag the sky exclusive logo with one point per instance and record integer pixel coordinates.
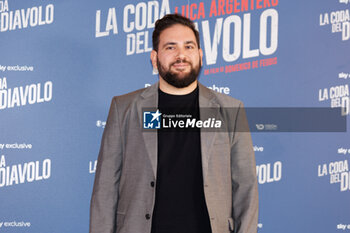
(344, 1)
(343, 75)
(15, 224)
(343, 226)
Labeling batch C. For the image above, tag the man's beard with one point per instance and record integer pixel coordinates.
(174, 79)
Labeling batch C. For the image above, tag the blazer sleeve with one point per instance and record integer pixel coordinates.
(244, 180)
(105, 195)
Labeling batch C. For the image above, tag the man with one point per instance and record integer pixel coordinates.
(175, 181)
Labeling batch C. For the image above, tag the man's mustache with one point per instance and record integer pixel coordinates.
(181, 61)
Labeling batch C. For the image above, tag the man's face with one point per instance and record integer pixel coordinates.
(178, 59)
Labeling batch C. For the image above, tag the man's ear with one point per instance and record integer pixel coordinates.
(201, 56)
(154, 59)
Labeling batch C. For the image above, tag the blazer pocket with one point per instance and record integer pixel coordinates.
(231, 224)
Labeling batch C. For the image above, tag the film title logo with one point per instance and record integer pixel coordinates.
(23, 18)
(228, 35)
(24, 173)
(268, 173)
(338, 172)
(339, 21)
(140, 17)
(338, 95)
(20, 96)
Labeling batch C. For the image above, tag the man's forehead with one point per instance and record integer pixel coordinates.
(177, 32)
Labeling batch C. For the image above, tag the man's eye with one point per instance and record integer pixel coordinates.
(170, 48)
(189, 47)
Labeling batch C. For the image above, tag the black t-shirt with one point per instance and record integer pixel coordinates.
(180, 204)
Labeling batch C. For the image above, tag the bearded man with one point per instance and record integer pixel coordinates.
(178, 180)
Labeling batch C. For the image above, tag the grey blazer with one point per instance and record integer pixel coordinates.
(123, 197)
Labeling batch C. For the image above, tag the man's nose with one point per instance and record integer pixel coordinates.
(181, 53)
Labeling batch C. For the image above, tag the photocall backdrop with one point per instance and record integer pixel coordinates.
(62, 62)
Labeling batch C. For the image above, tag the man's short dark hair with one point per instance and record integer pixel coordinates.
(166, 22)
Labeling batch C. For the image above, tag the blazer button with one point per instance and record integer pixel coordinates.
(152, 183)
(148, 216)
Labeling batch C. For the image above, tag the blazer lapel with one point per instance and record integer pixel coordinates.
(149, 99)
(206, 101)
